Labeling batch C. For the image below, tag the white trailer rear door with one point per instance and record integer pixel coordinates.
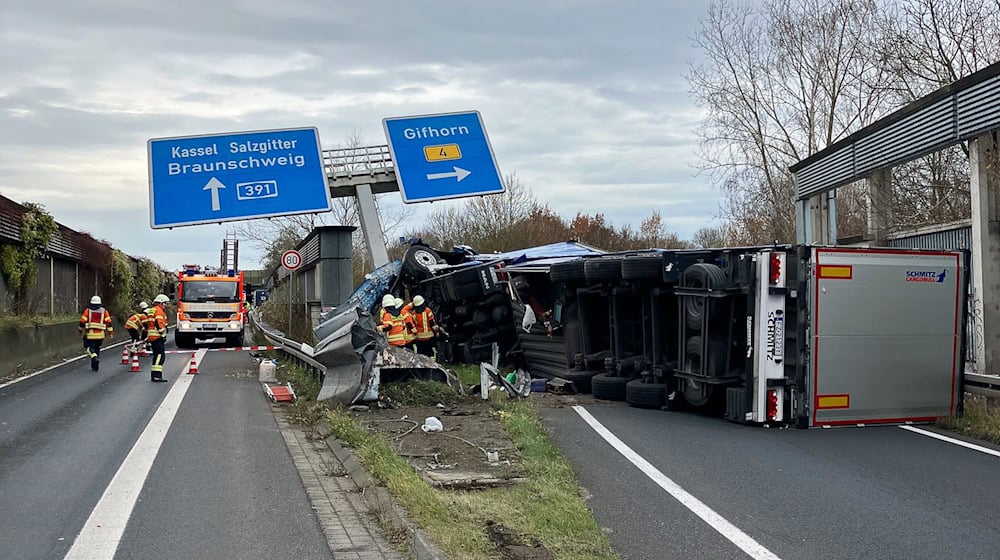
(886, 335)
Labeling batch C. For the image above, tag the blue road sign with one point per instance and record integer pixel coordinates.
(442, 156)
(216, 178)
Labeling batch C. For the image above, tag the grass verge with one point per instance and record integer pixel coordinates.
(981, 419)
(547, 507)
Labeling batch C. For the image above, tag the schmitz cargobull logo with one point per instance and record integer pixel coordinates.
(925, 276)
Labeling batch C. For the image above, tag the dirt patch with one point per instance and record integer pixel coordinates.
(512, 546)
(472, 451)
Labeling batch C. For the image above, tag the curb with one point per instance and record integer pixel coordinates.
(380, 501)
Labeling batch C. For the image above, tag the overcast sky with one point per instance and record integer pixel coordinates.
(584, 100)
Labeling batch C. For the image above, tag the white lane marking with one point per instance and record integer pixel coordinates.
(99, 538)
(965, 444)
(745, 542)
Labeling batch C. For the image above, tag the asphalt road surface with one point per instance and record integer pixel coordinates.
(868, 493)
(221, 485)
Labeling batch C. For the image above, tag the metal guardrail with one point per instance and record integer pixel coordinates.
(979, 384)
(289, 347)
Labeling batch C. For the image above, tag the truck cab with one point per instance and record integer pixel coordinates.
(210, 304)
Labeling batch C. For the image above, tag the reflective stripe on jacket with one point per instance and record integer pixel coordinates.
(397, 328)
(95, 323)
(136, 321)
(158, 326)
(424, 323)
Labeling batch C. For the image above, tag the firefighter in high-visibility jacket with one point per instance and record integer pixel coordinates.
(157, 336)
(396, 325)
(95, 326)
(136, 324)
(425, 327)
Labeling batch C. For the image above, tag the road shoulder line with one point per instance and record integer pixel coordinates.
(743, 541)
(103, 530)
(951, 440)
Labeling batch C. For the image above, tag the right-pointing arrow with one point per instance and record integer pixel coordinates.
(458, 174)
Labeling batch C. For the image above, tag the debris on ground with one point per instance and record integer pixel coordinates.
(472, 450)
(512, 546)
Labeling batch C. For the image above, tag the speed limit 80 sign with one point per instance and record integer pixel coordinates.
(291, 259)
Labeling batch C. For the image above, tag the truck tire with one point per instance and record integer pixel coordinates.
(698, 393)
(699, 276)
(234, 340)
(602, 386)
(568, 272)
(418, 259)
(184, 341)
(643, 267)
(581, 379)
(606, 269)
(640, 394)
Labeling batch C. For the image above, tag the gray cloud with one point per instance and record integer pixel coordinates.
(585, 100)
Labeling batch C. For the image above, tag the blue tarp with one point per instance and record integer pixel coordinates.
(561, 249)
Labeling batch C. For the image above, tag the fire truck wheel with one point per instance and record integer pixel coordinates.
(640, 394)
(701, 276)
(608, 388)
(184, 341)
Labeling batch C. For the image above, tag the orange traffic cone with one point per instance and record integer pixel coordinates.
(125, 356)
(193, 366)
(145, 351)
(135, 363)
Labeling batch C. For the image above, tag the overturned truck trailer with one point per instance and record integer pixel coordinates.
(799, 335)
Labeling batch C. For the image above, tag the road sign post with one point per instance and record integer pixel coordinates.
(442, 156)
(291, 260)
(216, 178)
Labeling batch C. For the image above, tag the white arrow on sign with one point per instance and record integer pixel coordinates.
(458, 173)
(214, 185)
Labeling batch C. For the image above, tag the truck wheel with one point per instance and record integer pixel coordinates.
(418, 260)
(184, 341)
(643, 267)
(566, 272)
(700, 276)
(605, 269)
(581, 379)
(234, 340)
(640, 394)
(697, 393)
(608, 388)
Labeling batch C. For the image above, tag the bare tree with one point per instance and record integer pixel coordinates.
(781, 82)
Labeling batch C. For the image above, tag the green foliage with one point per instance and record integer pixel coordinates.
(420, 393)
(147, 282)
(119, 302)
(17, 263)
(981, 419)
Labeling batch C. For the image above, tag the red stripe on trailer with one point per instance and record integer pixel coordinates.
(865, 422)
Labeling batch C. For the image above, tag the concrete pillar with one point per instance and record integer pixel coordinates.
(371, 225)
(984, 185)
(803, 231)
(820, 219)
(335, 271)
(879, 207)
